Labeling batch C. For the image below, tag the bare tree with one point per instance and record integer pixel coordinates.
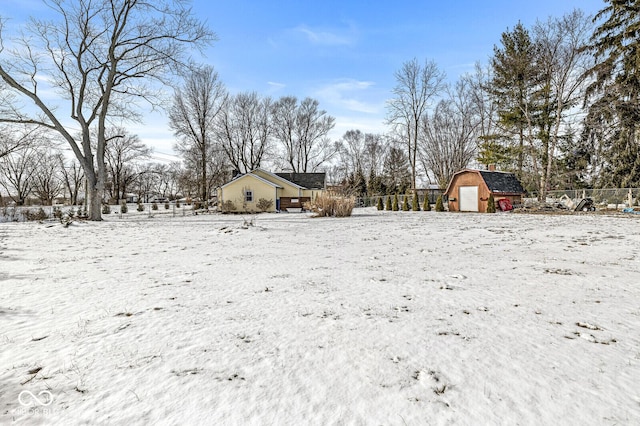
(15, 137)
(302, 129)
(564, 62)
(72, 177)
(97, 56)
(16, 173)
(193, 115)
(122, 150)
(245, 130)
(47, 180)
(448, 137)
(416, 86)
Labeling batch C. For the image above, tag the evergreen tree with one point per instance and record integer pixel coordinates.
(616, 93)
(388, 205)
(426, 205)
(491, 204)
(439, 204)
(415, 205)
(380, 206)
(405, 204)
(395, 207)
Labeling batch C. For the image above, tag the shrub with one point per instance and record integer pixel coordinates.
(177, 204)
(228, 206)
(491, 204)
(380, 206)
(263, 204)
(415, 205)
(57, 213)
(124, 208)
(395, 206)
(166, 205)
(140, 207)
(71, 212)
(154, 205)
(405, 204)
(439, 204)
(388, 204)
(197, 205)
(331, 205)
(37, 215)
(106, 209)
(426, 206)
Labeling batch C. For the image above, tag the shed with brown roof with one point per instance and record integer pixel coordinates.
(469, 190)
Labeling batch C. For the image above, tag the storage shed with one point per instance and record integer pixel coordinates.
(469, 190)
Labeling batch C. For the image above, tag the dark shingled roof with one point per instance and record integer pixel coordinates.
(502, 182)
(306, 180)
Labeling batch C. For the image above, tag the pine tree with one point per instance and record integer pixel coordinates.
(439, 204)
(395, 207)
(405, 204)
(415, 205)
(491, 204)
(426, 206)
(388, 205)
(380, 205)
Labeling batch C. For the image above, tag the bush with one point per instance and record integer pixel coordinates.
(426, 206)
(37, 215)
(57, 213)
(491, 204)
(439, 204)
(154, 206)
(415, 204)
(177, 204)
(228, 206)
(106, 209)
(263, 204)
(331, 205)
(395, 206)
(405, 204)
(388, 204)
(380, 206)
(124, 208)
(166, 205)
(140, 207)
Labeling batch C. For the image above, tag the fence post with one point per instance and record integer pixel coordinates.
(630, 198)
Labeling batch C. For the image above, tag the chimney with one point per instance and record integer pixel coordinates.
(492, 167)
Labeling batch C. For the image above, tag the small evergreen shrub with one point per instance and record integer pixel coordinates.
(140, 207)
(426, 206)
(263, 204)
(405, 204)
(124, 208)
(166, 205)
(154, 206)
(491, 204)
(439, 204)
(177, 204)
(380, 206)
(395, 207)
(106, 209)
(415, 205)
(388, 204)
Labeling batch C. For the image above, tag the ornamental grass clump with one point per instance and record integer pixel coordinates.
(331, 205)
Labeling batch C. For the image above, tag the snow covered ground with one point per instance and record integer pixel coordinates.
(381, 318)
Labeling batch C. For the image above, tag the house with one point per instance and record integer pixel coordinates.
(260, 190)
(469, 190)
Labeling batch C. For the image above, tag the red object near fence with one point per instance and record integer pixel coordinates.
(505, 205)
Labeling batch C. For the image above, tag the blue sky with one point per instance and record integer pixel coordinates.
(342, 53)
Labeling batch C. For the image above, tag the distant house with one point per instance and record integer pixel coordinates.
(251, 192)
(469, 190)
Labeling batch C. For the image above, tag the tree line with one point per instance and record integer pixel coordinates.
(557, 103)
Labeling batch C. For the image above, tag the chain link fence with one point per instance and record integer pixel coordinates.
(617, 198)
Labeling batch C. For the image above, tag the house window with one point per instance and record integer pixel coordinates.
(248, 196)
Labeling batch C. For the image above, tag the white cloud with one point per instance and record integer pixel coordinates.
(326, 37)
(347, 94)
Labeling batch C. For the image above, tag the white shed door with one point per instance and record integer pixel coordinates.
(468, 198)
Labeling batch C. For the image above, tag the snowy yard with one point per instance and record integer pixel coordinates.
(382, 318)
